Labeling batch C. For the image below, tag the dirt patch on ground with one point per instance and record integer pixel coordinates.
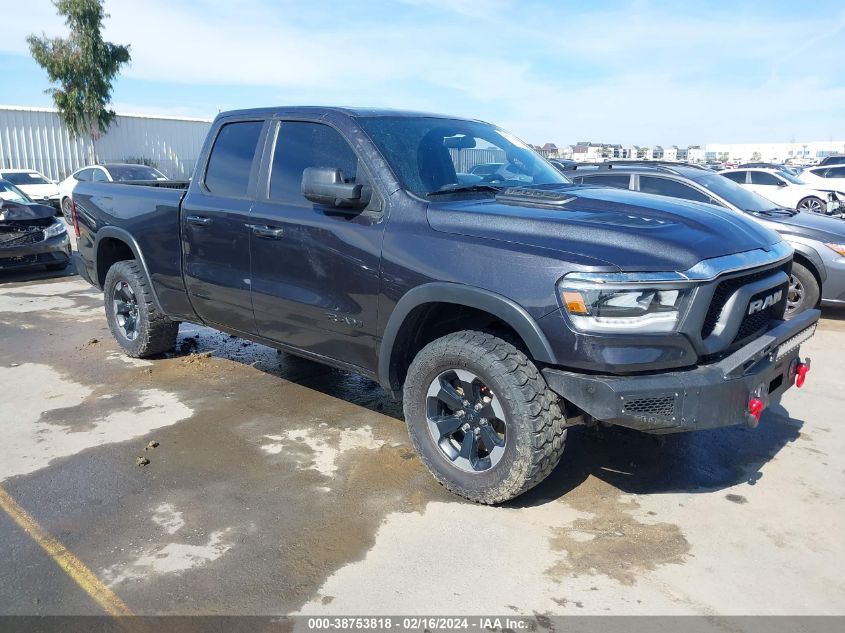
(612, 542)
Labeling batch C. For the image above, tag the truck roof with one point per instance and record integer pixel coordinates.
(348, 111)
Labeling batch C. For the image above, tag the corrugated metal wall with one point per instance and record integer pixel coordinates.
(37, 139)
(466, 159)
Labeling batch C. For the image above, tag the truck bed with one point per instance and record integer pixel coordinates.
(143, 213)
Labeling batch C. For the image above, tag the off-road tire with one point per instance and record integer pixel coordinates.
(805, 282)
(536, 426)
(156, 332)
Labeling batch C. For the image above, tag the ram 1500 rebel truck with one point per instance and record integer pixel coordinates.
(504, 305)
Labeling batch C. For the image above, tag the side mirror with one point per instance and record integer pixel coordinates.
(328, 186)
(781, 183)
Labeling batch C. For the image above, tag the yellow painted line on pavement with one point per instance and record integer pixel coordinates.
(65, 559)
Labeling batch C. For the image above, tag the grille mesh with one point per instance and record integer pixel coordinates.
(661, 406)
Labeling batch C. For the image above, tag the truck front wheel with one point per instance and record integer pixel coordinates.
(133, 318)
(481, 417)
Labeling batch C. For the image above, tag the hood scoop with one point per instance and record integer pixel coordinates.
(535, 197)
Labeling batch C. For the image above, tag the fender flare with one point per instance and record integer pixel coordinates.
(810, 254)
(124, 236)
(442, 292)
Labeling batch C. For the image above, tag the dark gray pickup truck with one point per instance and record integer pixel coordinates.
(504, 306)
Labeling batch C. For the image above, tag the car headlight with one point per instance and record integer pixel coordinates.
(839, 248)
(55, 229)
(594, 306)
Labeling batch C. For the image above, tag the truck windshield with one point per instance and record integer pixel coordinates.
(431, 155)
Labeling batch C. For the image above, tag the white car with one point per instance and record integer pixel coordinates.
(786, 190)
(826, 176)
(107, 172)
(34, 184)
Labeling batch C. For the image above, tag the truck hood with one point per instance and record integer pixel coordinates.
(812, 225)
(627, 230)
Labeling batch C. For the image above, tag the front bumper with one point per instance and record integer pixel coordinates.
(707, 396)
(55, 250)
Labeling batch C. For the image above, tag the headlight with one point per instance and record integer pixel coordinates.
(55, 229)
(616, 308)
(839, 248)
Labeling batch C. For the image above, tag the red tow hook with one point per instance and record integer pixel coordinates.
(755, 408)
(801, 370)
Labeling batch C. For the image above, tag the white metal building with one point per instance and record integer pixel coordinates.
(803, 151)
(35, 138)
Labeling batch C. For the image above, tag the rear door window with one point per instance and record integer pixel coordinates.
(231, 159)
(671, 188)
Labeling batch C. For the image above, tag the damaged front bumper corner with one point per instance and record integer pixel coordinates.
(703, 397)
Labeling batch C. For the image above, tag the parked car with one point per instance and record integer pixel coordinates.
(31, 236)
(834, 159)
(826, 177)
(786, 168)
(503, 311)
(787, 191)
(34, 184)
(818, 271)
(107, 172)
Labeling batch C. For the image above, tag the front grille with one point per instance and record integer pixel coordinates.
(725, 290)
(754, 324)
(30, 237)
(662, 406)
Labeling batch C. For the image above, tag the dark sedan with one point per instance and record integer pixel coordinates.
(30, 233)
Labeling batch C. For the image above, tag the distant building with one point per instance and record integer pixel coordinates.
(549, 150)
(695, 154)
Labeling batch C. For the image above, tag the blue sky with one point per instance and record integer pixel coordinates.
(631, 71)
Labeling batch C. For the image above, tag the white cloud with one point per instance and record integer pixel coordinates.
(627, 72)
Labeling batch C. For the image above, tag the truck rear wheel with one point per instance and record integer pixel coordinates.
(133, 318)
(482, 417)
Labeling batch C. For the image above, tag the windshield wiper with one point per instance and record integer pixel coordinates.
(771, 212)
(465, 188)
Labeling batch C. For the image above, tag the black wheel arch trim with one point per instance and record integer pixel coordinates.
(126, 237)
(459, 294)
(809, 255)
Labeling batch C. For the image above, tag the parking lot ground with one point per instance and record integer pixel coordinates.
(281, 486)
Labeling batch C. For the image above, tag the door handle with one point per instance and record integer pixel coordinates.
(198, 220)
(269, 232)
